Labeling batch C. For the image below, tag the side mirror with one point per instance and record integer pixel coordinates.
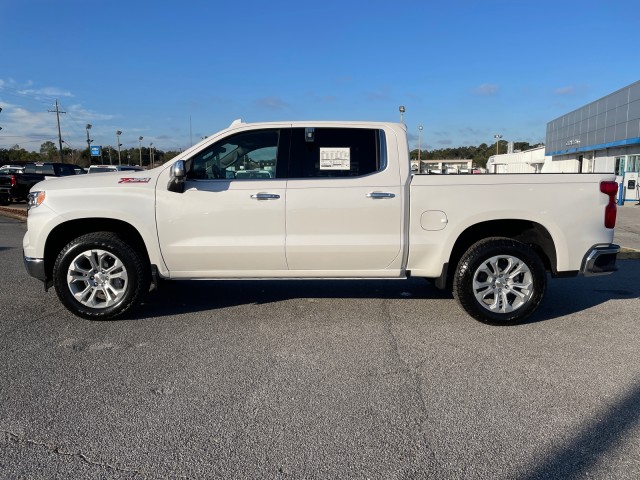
(176, 177)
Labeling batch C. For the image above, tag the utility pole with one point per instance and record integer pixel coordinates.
(497, 137)
(58, 112)
(419, 142)
(118, 133)
(88, 127)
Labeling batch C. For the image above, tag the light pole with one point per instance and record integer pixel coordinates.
(88, 127)
(151, 154)
(497, 137)
(419, 143)
(118, 133)
(140, 140)
(402, 110)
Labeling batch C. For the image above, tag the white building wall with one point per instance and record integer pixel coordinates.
(560, 166)
(529, 161)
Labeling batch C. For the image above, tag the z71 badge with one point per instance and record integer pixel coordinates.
(134, 180)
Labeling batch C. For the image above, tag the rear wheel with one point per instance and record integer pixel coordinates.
(100, 276)
(500, 281)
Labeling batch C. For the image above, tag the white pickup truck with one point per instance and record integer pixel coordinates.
(316, 200)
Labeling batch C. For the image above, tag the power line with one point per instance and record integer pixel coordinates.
(21, 93)
(73, 119)
(58, 112)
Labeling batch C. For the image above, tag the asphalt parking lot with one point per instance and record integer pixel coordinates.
(354, 379)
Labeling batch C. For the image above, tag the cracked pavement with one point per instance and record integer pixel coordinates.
(376, 379)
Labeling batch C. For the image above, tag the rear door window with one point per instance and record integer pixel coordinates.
(335, 152)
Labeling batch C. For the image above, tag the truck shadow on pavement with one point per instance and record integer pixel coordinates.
(566, 296)
(563, 297)
(195, 296)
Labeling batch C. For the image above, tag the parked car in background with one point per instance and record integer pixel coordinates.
(113, 168)
(15, 186)
(7, 182)
(10, 169)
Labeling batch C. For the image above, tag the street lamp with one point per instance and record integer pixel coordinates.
(402, 110)
(151, 153)
(497, 137)
(88, 127)
(118, 133)
(419, 143)
(140, 140)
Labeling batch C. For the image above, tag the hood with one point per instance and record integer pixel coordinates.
(125, 179)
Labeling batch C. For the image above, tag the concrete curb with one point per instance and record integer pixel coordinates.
(628, 254)
(16, 213)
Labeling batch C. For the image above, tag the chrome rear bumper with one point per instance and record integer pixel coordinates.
(600, 260)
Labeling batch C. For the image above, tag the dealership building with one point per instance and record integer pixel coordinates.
(602, 136)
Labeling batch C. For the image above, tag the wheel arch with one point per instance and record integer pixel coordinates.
(528, 232)
(64, 233)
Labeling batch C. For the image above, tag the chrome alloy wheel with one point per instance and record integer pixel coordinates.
(97, 278)
(503, 283)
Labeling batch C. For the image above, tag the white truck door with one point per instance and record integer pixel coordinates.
(344, 204)
(230, 220)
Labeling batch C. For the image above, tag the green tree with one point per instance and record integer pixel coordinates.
(17, 154)
(49, 151)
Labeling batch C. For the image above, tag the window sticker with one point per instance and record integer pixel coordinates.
(335, 158)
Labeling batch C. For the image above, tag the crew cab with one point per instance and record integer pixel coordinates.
(325, 200)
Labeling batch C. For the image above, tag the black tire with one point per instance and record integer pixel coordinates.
(4, 200)
(510, 296)
(110, 276)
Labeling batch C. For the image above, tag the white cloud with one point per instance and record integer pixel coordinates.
(569, 90)
(486, 89)
(29, 127)
(272, 103)
(46, 91)
(78, 111)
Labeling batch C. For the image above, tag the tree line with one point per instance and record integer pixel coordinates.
(479, 154)
(49, 152)
(131, 156)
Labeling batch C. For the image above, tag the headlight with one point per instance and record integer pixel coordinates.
(34, 199)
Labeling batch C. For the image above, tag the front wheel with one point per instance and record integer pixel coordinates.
(99, 276)
(500, 281)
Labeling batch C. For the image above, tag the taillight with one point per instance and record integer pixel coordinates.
(610, 211)
(13, 180)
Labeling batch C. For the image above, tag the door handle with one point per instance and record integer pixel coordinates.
(265, 196)
(380, 195)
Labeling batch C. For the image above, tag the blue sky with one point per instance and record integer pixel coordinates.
(465, 70)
